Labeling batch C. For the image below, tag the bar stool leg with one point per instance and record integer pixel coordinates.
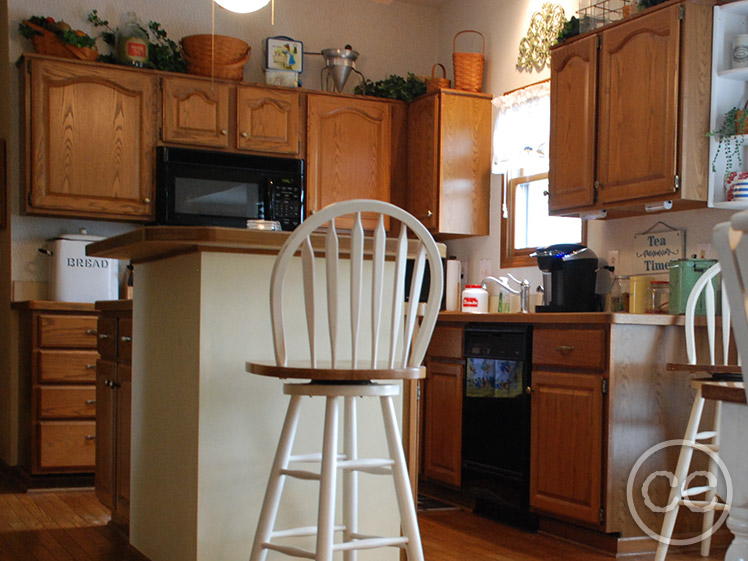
(350, 477)
(402, 482)
(681, 472)
(271, 502)
(708, 521)
(328, 482)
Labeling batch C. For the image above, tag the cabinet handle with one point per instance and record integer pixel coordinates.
(147, 200)
(224, 132)
(547, 194)
(126, 339)
(90, 402)
(90, 367)
(91, 332)
(565, 348)
(529, 390)
(107, 383)
(429, 214)
(104, 336)
(90, 437)
(245, 134)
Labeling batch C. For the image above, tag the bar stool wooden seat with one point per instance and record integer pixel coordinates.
(372, 342)
(707, 440)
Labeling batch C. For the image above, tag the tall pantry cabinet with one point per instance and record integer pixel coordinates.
(630, 112)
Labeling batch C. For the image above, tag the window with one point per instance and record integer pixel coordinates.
(520, 156)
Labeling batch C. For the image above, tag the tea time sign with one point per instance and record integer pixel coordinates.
(653, 251)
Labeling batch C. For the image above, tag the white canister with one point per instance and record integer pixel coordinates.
(474, 298)
(739, 57)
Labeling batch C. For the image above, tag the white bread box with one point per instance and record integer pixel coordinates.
(77, 277)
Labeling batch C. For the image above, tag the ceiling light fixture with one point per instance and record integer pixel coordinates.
(242, 6)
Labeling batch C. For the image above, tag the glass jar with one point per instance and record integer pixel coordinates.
(619, 294)
(132, 42)
(658, 297)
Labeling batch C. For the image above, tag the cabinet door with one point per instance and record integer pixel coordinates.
(348, 151)
(423, 160)
(442, 455)
(195, 112)
(464, 164)
(566, 446)
(105, 431)
(267, 120)
(571, 176)
(123, 408)
(638, 125)
(91, 141)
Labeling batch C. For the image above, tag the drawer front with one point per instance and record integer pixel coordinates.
(577, 348)
(66, 366)
(59, 331)
(446, 342)
(124, 340)
(57, 402)
(107, 338)
(68, 445)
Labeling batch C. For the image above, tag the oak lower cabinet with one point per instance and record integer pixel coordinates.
(57, 354)
(205, 113)
(629, 111)
(442, 397)
(90, 140)
(350, 149)
(114, 398)
(449, 162)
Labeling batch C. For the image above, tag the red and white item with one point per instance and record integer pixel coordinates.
(474, 299)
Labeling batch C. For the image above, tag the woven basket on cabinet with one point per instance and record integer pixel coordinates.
(50, 44)
(468, 66)
(229, 55)
(435, 83)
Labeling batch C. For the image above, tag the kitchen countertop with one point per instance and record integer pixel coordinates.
(565, 318)
(157, 242)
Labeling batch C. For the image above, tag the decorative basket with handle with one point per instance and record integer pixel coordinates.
(435, 83)
(468, 66)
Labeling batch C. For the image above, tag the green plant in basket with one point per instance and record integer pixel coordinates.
(393, 87)
(731, 137)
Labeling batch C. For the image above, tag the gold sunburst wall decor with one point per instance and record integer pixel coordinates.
(535, 47)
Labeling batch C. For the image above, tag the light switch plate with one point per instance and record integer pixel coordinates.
(613, 258)
(485, 268)
(704, 250)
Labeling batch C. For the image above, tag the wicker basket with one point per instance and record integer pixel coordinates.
(229, 55)
(50, 44)
(202, 67)
(434, 84)
(468, 66)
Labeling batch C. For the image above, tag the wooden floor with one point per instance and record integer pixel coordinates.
(72, 525)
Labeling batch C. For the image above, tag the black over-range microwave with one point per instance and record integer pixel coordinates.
(204, 188)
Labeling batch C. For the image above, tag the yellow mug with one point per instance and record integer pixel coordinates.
(638, 287)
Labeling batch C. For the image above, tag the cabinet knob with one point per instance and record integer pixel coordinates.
(245, 134)
(104, 336)
(90, 437)
(91, 332)
(429, 214)
(90, 402)
(547, 194)
(108, 383)
(125, 339)
(147, 200)
(90, 367)
(224, 132)
(529, 390)
(565, 348)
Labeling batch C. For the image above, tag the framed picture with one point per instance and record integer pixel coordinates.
(283, 53)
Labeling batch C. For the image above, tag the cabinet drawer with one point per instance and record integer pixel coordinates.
(446, 342)
(578, 348)
(67, 444)
(124, 341)
(66, 331)
(107, 338)
(66, 366)
(67, 401)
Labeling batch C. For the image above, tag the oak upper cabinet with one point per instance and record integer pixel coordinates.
(449, 162)
(348, 150)
(267, 120)
(205, 113)
(90, 140)
(195, 112)
(567, 422)
(652, 101)
(442, 395)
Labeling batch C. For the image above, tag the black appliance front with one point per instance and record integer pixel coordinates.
(496, 421)
(204, 188)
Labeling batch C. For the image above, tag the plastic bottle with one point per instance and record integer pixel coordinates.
(132, 42)
(474, 298)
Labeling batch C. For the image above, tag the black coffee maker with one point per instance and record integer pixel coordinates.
(569, 278)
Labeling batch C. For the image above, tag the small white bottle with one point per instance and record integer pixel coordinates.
(474, 299)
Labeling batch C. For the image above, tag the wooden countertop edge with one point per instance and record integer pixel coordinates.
(733, 394)
(158, 242)
(581, 318)
(113, 305)
(53, 306)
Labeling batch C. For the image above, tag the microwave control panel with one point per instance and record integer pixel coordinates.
(286, 201)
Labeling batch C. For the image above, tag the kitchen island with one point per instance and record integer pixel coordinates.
(204, 431)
